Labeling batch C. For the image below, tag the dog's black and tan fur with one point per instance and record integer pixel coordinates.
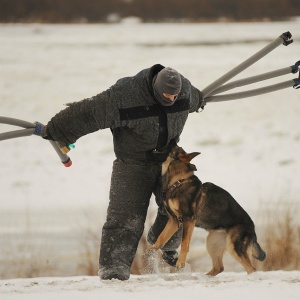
(193, 204)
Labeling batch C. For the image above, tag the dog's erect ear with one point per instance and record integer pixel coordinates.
(186, 158)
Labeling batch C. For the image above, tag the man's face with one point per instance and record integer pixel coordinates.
(172, 98)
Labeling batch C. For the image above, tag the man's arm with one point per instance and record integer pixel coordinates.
(83, 117)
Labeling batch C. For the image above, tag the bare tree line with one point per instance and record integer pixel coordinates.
(66, 11)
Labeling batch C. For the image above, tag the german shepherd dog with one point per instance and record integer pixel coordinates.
(189, 203)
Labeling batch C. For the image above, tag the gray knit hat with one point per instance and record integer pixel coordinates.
(167, 81)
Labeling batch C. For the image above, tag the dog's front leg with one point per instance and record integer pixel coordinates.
(169, 230)
(188, 227)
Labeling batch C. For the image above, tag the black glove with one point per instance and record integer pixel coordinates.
(41, 130)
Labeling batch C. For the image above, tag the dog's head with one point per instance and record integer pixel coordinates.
(183, 160)
(177, 156)
(177, 153)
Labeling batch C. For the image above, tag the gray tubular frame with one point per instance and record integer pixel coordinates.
(218, 85)
(29, 130)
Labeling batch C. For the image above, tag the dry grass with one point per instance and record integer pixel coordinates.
(89, 254)
(26, 258)
(30, 256)
(281, 239)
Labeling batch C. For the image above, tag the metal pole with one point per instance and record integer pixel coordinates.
(16, 134)
(247, 63)
(255, 92)
(65, 159)
(16, 122)
(250, 80)
(29, 130)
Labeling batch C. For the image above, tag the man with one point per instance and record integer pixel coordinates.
(146, 114)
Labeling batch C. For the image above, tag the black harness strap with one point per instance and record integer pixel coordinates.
(174, 186)
(139, 112)
(169, 193)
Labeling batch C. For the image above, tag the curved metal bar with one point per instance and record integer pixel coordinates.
(252, 79)
(245, 64)
(29, 130)
(16, 134)
(16, 122)
(252, 93)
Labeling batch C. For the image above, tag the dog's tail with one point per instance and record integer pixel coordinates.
(257, 251)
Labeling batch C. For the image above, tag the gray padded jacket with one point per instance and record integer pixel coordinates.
(138, 122)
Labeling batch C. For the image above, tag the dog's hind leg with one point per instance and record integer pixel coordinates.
(238, 247)
(216, 245)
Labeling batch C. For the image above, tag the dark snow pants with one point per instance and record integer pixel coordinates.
(131, 188)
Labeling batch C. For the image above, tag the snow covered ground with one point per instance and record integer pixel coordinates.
(234, 286)
(249, 147)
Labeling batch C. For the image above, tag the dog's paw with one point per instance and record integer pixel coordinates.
(214, 272)
(181, 262)
(150, 251)
(180, 266)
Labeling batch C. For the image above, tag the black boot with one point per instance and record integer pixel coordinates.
(110, 276)
(170, 257)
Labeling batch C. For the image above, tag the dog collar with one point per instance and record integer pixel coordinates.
(174, 186)
(169, 192)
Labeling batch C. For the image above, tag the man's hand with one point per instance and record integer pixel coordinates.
(41, 130)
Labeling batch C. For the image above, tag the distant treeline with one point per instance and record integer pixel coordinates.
(61, 11)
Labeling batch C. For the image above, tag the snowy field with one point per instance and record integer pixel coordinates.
(250, 147)
(277, 285)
